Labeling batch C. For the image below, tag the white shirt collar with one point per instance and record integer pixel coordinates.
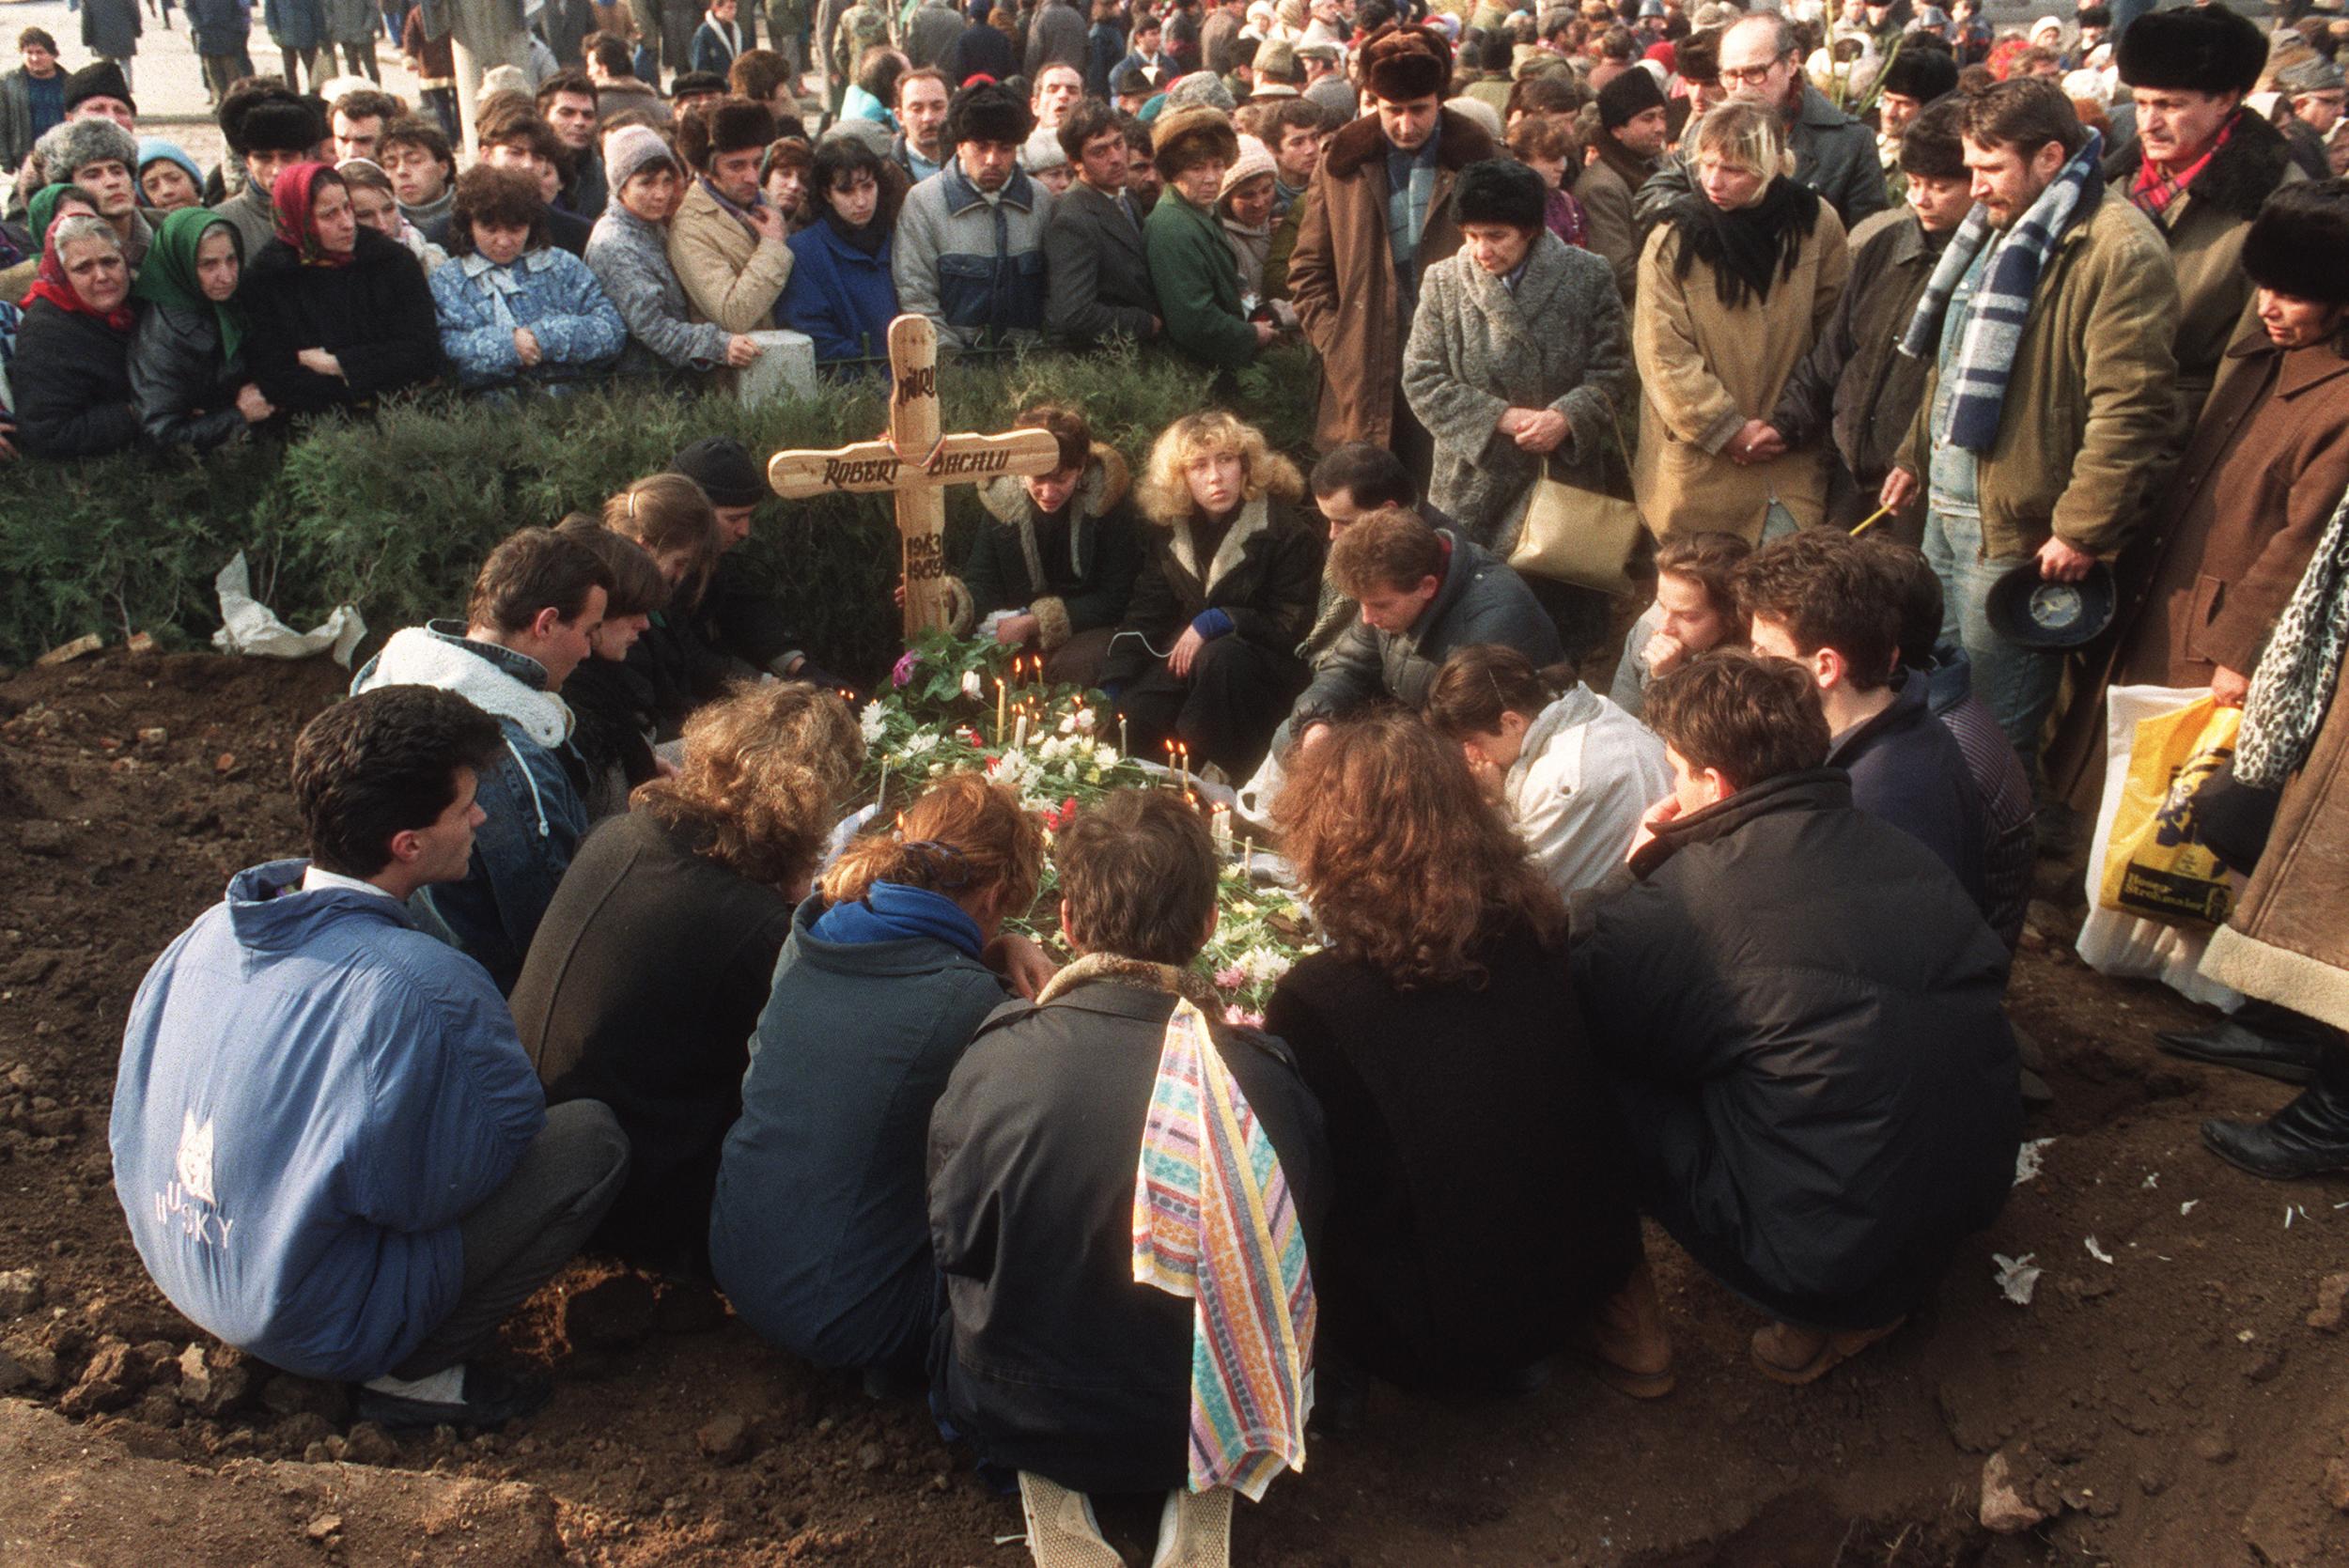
(316, 878)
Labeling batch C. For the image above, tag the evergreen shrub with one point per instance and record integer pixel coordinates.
(394, 513)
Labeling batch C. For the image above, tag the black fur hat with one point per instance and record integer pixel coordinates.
(98, 78)
(1923, 75)
(2202, 48)
(990, 112)
(1498, 191)
(270, 119)
(2295, 245)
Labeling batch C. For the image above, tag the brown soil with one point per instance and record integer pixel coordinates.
(2173, 1407)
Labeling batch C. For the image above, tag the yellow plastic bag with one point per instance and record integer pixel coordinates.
(2152, 864)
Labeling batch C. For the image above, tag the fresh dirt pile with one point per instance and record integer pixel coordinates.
(2183, 1403)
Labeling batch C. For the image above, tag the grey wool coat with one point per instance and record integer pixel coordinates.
(1558, 340)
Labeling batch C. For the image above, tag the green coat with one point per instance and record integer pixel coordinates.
(1197, 283)
(2092, 411)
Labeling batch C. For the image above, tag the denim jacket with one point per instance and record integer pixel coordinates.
(533, 814)
(972, 267)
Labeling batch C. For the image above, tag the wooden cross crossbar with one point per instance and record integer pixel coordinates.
(915, 463)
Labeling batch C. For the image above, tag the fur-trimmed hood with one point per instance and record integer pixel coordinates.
(1106, 481)
(1462, 142)
(2241, 177)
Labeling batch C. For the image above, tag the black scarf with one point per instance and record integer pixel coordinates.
(1750, 249)
(869, 238)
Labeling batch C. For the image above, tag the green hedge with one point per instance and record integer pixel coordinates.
(395, 513)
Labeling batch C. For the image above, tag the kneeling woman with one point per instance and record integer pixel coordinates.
(514, 308)
(1574, 772)
(650, 967)
(820, 1234)
(1208, 655)
(336, 314)
(1480, 1200)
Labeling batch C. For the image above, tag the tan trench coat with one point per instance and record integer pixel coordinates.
(1705, 369)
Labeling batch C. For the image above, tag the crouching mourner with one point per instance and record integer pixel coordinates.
(331, 1149)
(1818, 1084)
(1098, 1156)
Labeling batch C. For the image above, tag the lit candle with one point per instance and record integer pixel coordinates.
(1182, 760)
(1219, 828)
(999, 696)
(882, 796)
(1020, 736)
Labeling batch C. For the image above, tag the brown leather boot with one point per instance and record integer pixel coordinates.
(1626, 1341)
(1787, 1353)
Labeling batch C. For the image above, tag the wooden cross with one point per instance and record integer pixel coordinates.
(917, 463)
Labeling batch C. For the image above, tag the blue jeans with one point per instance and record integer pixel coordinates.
(2018, 684)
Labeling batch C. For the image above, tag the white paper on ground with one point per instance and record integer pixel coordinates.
(248, 626)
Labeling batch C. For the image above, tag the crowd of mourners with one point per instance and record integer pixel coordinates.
(1914, 346)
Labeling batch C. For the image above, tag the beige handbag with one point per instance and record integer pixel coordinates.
(1582, 537)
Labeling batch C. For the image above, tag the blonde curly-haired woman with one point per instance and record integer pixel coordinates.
(1206, 655)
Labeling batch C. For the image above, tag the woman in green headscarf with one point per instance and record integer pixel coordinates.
(48, 205)
(187, 361)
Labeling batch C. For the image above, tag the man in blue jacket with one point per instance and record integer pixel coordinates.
(330, 1147)
(537, 601)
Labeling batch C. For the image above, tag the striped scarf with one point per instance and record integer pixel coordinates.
(1214, 1220)
(2293, 683)
(1994, 329)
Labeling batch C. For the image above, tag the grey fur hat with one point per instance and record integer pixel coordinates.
(76, 144)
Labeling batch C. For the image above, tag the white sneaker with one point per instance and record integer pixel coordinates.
(1195, 1529)
(1062, 1530)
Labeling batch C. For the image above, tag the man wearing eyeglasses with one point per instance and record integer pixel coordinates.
(1761, 62)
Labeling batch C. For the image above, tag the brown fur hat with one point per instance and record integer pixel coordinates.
(1181, 138)
(1402, 62)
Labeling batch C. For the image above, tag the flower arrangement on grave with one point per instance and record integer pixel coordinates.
(954, 704)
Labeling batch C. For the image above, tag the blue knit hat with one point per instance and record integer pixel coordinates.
(153, 148)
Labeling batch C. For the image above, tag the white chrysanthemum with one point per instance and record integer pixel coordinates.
(1262, 966)
(872, 724)
(920, 743)
(971, 687)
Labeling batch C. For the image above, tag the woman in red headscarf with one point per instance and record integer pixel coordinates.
(337, 315)
(72, 373)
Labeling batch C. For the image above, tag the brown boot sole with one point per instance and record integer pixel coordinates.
(1628, 1382)
(1834, 1351)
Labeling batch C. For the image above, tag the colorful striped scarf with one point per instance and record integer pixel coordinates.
(1994, 329)
(1214, 1220)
